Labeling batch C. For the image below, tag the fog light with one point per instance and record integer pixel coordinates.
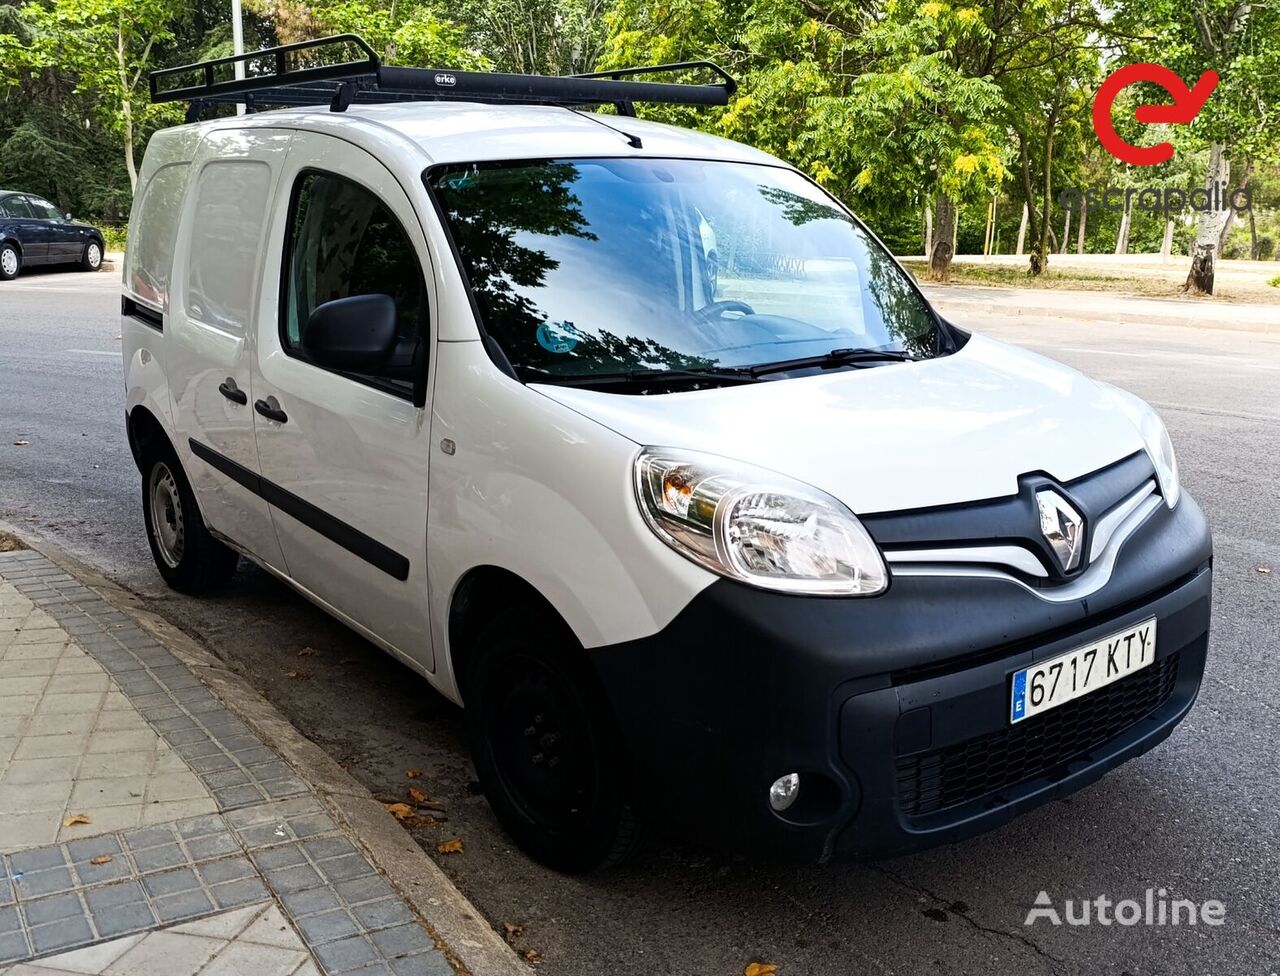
(784, 791)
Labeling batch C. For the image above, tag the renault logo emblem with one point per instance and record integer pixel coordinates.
(1062, 527)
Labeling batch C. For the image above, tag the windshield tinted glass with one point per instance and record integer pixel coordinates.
(595, 266)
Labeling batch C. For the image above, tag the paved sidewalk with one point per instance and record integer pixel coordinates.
(1103, 307)
(147, 830)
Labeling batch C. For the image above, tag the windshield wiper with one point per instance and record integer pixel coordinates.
(836, 357)
(641, 377)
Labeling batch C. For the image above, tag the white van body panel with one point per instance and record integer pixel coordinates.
(893, 437)
(539, 490)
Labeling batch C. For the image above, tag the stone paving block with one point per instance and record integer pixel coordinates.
(158, 858)
(431, 963)
(134, 917)
(241, 892)
(61, 935)
(286, 856)
(310, 901)
(14, 946)
(185, 904)
(114, 895)
(328, 927)
(345, 868)
(164, 811)
(212, 846)
(382, 914)
(369, 888)
(346, 955)
(10, 920)
(293, 879)
(170, 882)
(402, 940)
(228, 869)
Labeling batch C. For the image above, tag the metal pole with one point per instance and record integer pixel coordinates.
(237, 45)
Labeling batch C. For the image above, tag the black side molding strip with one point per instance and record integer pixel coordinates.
(353, 540)
(147, 316)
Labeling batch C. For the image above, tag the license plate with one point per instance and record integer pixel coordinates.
(1061, 679)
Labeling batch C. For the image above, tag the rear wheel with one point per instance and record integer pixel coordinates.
(188, 557)
(91, 260)
(545, 747)
(10, 262)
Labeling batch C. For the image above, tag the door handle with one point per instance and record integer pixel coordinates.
(232, 392)
(270, 408)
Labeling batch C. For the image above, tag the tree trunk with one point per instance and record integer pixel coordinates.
(1066, 231)
(1033, 217)
(928, 230)
(943, 247)
(126, 108)
(1166, 244)
(1084, 216)
(1253, 237)
(1229, 218)
(1122, 236)
(1208, 229)
(1022, 231)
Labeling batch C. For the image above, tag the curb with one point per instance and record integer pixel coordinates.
(459, 930)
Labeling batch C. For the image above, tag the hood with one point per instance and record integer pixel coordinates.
(955, 429)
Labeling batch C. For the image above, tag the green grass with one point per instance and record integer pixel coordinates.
(1274, 282)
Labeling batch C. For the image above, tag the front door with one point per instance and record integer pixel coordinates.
(212, 292)
(344, 455)
(66, 241)
(33, 232)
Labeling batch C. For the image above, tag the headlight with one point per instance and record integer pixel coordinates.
(756, 526)
(1156, 438)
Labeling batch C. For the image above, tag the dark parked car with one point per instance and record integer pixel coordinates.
(32, 231)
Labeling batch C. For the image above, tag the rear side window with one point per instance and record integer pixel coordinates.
(226, 234)
(151, 235)
(344, 241)
(17, 207)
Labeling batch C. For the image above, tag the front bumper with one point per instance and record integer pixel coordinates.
(894, 709)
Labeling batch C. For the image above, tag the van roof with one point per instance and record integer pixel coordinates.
(455, 132)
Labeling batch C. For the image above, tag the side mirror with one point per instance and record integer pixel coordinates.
(67, 215)
(357, 334)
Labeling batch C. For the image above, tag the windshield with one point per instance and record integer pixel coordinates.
(583, 268)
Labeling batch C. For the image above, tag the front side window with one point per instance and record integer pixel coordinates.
(582, 268)
(43, 209)
(344, 241)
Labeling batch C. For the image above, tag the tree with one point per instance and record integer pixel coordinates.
(107, 46)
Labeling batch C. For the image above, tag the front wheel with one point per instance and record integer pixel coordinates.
(91, 260)
(10, 262)
(188, 557)
(545, 747)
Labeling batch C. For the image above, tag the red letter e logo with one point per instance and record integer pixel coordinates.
(1187, 103)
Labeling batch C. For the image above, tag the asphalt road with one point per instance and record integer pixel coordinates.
(1197, 817)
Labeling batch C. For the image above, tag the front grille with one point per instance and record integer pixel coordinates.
(932, 781)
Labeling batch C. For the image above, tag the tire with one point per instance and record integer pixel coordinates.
(91, 260)
(188, 557)
(545, 745)
(10, 262)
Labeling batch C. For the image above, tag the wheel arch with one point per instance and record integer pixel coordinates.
(144, 430)
(478, 593)
(10, 239)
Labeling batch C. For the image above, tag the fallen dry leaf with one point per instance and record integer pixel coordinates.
(760, 969)
(417, 796)
(77, 818)
(307, 652)
(512, 932)
(413, 773)
(297, 674)
(401, 811)
(20, 443)
(101, 859)
(453, 846)
(1264, 569)
(531, 955)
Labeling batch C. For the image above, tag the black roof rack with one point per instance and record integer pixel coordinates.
(342, 70)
